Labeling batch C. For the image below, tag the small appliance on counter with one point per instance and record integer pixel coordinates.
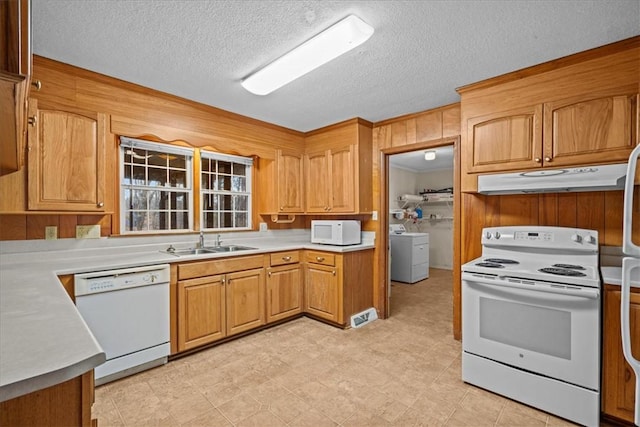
(340, 233)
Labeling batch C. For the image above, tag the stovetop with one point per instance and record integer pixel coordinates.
(552, 254)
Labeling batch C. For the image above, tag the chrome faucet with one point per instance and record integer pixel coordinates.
(201, 240)
(218, 241)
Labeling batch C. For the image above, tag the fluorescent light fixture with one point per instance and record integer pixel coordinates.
(322, 48)
(429, 155)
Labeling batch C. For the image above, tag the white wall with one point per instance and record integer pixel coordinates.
(440, 230)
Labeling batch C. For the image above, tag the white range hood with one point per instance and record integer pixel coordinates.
(590, 178)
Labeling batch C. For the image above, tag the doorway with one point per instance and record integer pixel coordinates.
(420, 196)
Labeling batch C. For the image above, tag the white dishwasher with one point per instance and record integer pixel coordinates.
(127, 310)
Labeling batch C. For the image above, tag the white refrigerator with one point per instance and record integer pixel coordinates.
(630, 268)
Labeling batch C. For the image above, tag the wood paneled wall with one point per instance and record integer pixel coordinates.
(428, 129)
(134, 111)
(601, 211)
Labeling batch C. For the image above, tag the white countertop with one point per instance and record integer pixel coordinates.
(613, 276)
(43, 339)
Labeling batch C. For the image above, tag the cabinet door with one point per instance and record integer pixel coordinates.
(290, 184)
(618, 379)
(321, 296)
(284, 292)
(317, 181)
(245, 300)
(201, 311)
(66, 160)
(505, 141)
(588, 131)
(342, 180)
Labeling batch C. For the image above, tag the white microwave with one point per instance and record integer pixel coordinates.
(343, 232)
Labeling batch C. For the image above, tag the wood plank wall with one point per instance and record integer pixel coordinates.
(134, 111)
(601, 211)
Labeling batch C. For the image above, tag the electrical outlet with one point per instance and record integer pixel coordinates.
(263, 226)
(51, 232)
(87, 231)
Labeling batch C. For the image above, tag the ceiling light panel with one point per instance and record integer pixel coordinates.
(329, 44)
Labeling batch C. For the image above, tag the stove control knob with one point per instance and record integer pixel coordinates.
(488, 235)
(496, 235)
(576, 238)
(591, 239)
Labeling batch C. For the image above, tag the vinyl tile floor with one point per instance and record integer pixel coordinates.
(402, 371)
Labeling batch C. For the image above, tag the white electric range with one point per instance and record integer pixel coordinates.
(531, 319)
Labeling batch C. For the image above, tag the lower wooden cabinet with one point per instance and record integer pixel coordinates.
(322, 292)
(618, 379)
(219, 298)
(338, 285)
(216, 299)
(245, 300)
(284, 292)
(201, 311)
(66, 404)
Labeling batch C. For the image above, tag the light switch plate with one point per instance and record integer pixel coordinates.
(87, 231)
(263, 226)
(51, 232)
(374, 216)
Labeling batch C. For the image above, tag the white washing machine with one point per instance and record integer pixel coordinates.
(409, 255)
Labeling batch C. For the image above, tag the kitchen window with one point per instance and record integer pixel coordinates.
(156, 187)
(225, 183)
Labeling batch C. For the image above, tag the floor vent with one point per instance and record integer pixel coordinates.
(361, 319)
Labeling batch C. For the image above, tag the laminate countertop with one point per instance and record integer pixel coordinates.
(613, 276)
(43, 339)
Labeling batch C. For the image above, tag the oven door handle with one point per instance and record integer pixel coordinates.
(588, 293)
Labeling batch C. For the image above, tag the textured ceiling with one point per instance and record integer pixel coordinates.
(420, 51)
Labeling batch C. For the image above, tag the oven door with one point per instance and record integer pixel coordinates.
(546, 330)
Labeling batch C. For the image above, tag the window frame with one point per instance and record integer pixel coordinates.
(249, 193)
(188, 189)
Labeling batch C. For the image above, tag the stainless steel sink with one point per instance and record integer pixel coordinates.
(228, 248)
(192, 251)
(207, 250)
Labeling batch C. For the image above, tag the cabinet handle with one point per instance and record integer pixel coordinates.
(548, 159)
(319, 259)
(33, 120)
(37, 84)
(269, 274)
(286, 258)
(537, 160)
(223, 281)
(334, 272)
(100, 204)
(281, 208)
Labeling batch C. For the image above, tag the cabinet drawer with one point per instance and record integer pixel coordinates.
(323, 258)
(281, 258)
(218, 266)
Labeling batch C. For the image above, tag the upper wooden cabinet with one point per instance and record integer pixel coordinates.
(338, 168)
(618, 379)
(574, 111)
(15, 71)
(586, 129)
(501, 142)
(567, 132)
(66, 151)
(284, 189)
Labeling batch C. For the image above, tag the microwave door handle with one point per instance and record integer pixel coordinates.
(629, 264)
(549, 289)
(628, 247)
